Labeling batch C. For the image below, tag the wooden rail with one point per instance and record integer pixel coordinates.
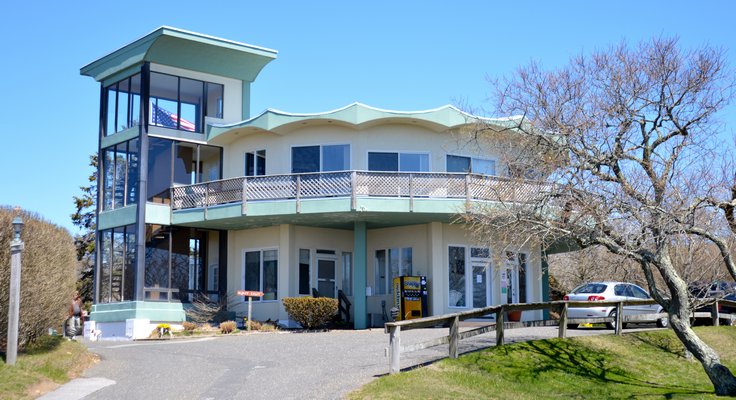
(501, 314)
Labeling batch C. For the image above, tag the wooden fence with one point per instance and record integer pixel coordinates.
(501, 314)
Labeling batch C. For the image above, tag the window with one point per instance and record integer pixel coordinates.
(404, 162)
(347, 273)
(120, 175)
(470, 165)
(391, 263)
(192, 163)
(123, 108)
(260, 272)
(182, 103)
(457, 274)
(175, 263)
(255, 163)
(304, 272)
(320, 158)
(117, 266)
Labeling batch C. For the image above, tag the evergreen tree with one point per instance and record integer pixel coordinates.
(84, 219)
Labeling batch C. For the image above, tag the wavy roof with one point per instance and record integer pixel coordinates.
(357, 115)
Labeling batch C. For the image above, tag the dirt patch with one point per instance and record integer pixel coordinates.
(46, 385)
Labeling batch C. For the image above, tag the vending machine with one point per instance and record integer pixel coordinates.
(410, 297)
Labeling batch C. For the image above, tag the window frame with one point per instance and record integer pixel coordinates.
(256, 157)
(388, 289)
(471, 158)
(321, 157)
(203, 106)
(398, 156)
(261, 250)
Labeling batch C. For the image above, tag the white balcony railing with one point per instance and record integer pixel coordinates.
(355, 184)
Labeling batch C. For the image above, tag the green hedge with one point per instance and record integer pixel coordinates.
(311, 312)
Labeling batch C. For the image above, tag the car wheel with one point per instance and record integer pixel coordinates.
(663, 322)
(612, 325)
(572, 326)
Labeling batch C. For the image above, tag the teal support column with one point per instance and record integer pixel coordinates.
(545, 281)
(360, 245)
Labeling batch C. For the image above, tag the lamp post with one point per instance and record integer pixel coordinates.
(16, 247)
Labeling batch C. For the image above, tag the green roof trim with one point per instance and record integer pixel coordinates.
(188, 50)
(357, 114)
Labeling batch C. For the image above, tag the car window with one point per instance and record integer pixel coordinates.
(619, 290)
(591, 288)
(629, 292)
(639, 292)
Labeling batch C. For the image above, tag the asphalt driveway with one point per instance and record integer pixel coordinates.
(287, 365)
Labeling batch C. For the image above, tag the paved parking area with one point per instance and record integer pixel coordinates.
(319, 365)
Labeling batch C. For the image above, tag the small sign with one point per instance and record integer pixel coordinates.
(249, 293)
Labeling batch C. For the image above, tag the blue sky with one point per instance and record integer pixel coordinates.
(404, 55)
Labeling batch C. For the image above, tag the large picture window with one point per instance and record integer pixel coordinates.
(403, 162)
(182, 103)
(260, 272)
(320, 158)
(120, 175)
(391, 263)
(471, 165)
(123, 108)
(304, 272)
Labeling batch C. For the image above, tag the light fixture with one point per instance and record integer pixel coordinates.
(17, 227)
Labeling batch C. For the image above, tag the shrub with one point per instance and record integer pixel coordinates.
(48, 274)
(228, 326)
(311, 312)
(268, 328)
(189, 326)
(254, 325)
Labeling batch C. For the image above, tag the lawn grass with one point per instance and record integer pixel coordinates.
(43, 366)
(637, 365)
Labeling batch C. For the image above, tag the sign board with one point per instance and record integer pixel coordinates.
(249, 293)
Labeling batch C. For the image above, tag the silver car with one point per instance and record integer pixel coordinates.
(612, 291)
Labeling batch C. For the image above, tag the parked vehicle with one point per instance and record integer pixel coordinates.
(612, 291)
(704, 292)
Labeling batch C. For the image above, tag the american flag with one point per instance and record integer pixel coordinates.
(162, 117)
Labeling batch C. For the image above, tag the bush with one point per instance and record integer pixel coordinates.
(48, 275)
(189, 326)
(311, 312)
(268, 328)
(228, 326)
(254, 325)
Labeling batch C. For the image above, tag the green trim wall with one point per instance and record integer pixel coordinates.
(152, 310)
(119, 217)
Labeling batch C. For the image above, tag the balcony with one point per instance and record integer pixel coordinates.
(355, 185)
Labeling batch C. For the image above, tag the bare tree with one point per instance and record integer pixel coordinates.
(627, 141)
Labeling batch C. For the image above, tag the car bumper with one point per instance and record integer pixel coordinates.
(589, 312)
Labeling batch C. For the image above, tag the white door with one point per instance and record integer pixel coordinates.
(326, 277)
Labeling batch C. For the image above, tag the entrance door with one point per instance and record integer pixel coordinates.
(326, 277)
(481, 285)
(509, 284)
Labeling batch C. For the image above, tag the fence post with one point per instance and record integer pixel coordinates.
(454, 330)
(467, 187)
(619, 318)
(411, 192)
(353, 183)
(394, 349)
(714, 314)
(245, 187)
(563, 322)
(499, 326)
(298, 193)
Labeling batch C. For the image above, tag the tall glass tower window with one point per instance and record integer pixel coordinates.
(182, 103)
(120, 175)
(117, 267)
(171, 162)
(123, 104)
